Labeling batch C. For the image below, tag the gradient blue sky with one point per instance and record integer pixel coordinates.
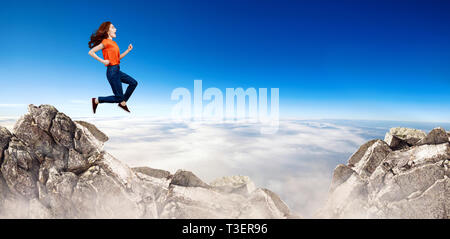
(387, 60)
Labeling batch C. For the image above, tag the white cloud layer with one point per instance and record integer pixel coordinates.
(8, 122)
(296, 163)
(11, 105)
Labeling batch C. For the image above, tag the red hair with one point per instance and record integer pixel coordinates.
(100, 34)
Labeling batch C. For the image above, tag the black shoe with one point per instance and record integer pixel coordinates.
(94, 105)
(124, 108)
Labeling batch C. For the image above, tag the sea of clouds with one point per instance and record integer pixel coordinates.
(296, 163)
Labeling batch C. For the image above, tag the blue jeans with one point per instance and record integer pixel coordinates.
(116, 78)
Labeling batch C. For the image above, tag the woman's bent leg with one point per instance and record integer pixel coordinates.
(132, 83)
(116, 86)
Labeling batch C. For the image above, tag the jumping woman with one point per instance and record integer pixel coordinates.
(102, 40)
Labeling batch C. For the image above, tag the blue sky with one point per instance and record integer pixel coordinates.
(384, 60)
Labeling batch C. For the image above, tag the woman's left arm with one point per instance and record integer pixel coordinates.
(130, 47)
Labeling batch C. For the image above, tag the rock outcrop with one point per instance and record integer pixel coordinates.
(404, 176)
(54, 167)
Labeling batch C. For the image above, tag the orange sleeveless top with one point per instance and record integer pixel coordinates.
(111, 52)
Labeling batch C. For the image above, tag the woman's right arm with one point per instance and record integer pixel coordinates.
(93, 51)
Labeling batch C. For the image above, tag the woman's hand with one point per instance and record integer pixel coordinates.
(105, 62)
(130, 47)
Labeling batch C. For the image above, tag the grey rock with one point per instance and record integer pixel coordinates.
(348, 200)
(436, 136)
(407, 183)
(242, 189)
(156, 173)
(54, 167)
(58, 194)
(99, 135)
(281, 206)
(395, 142)
(356, 157)
(410, 136)
(87, 140)
(4, 191)
(187, 179)
(340, 174)
(77, 163)
(42, 115)
(199, 202)
(5, 137)
(402, 185)
(431, 204)
(40, 142)
(234, 184)
(19, 169)
(63, 130)
(372, 158)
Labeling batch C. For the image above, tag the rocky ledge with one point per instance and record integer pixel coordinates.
(404, 176)
(53, 167)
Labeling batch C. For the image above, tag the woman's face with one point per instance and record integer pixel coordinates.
(112, 31)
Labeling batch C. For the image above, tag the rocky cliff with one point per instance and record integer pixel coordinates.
(404, 176)
(53, 167)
